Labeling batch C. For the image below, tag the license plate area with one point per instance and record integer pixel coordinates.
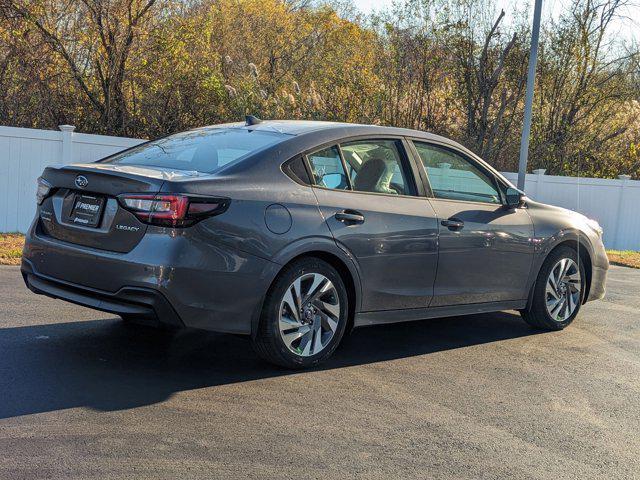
(87, 210)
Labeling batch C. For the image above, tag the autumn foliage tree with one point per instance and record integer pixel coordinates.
(145, 68)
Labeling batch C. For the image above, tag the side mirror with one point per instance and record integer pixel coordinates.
(513, 197)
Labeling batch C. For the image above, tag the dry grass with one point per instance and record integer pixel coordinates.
(11, 248)
(11, 251)
(626, 258)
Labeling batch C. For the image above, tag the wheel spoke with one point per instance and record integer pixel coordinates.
(288, 323)
(296, 293)
(552, 303)
(573, 277)
(560, 271)
(305, 343)
(328, 308)
(317, 338)
(555, 311)
(567, 310)
(554, 308)
(553, 282)
(332, 324)
(570, 303)
(290, 302)
(318, 282)
(325, 288)
(291, 337)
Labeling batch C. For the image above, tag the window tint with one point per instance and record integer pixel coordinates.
(203, 150)
(375, 166)
(453, 177)
(327, 169)
(297, 171)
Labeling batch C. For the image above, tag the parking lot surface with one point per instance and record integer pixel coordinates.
(82, 395)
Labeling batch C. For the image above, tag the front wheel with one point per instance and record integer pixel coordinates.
(304, 316)
(558, 292)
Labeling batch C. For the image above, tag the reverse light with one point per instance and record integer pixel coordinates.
(42, 190)
(172, 210)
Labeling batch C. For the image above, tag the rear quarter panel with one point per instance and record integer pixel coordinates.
(270, 217)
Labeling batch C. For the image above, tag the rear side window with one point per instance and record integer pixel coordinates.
(297, 171)
(203, 150)
(376, 166)
(327, 169)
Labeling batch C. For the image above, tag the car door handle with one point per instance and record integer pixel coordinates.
(453, 223)
(350, 217)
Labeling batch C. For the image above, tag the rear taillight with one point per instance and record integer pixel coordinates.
(172, 210)
(42, 190)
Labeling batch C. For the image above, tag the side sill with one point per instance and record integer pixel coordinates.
(394, 316)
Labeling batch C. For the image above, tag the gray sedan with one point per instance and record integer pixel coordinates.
(295, 232)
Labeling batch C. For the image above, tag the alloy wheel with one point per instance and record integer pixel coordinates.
(563, 289)
(309, 314)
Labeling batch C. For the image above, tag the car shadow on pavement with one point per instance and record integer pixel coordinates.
(109, 365)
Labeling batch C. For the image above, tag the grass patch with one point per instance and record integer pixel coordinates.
(11, 248)
(626, 258)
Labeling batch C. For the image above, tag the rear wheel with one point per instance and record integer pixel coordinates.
(559, 291)
(304, 316)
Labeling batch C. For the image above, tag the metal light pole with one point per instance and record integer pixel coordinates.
(528, 103)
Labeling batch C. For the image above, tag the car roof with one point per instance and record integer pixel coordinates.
(307, 134)
(301, 127)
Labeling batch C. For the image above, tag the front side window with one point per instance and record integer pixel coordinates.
(454, 177)
(327, 169)
(204, 150)
(376, 166)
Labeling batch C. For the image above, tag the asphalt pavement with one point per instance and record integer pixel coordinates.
(83, 395)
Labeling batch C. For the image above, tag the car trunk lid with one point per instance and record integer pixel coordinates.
(83, 208)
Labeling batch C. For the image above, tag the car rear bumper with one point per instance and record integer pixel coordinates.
(173, 279)
(144, 303)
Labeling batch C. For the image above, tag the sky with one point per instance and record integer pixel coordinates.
(629, 28)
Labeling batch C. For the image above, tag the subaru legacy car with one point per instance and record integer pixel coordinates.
(295, 232)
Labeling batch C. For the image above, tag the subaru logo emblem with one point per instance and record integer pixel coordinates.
(81, 181)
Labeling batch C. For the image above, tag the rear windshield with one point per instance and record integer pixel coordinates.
(204, 150)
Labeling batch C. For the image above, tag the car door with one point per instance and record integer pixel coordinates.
(368, 196)
(485, 248)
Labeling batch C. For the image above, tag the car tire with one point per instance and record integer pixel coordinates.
(318, 323)
(555, 303)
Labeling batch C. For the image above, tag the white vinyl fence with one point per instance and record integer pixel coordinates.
(25, 152)
(615, 204)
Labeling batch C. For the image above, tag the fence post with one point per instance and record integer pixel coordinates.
(444, 174)
(539, 173)
(67, 143)
(619, 240)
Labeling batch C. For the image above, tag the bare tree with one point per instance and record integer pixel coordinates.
(94, 38)
(584, 84)
(490, 98)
